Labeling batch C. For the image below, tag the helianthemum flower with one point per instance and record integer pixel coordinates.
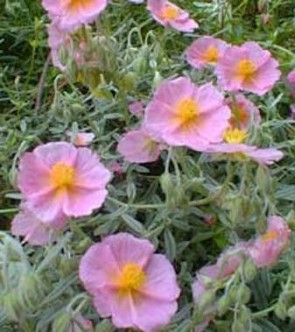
(205, 51)
(234, 145)
(244, 112)
(58, 180)
(249, 68)
(169, 14)
(130, 283)
(184, 114)
(137, 146)
(72, 14)
(265, 250)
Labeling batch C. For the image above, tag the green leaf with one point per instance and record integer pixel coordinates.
(134, 224)
(170, 245)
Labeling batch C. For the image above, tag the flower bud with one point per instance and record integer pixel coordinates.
(281, 310)
(223, 304)
(250, 270)
(207, 300)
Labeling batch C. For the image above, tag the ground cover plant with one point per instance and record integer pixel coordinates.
(147, 158)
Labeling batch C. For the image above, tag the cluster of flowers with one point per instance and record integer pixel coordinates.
(126, 279)
(70, 15)
(139, 289)
(199, 117)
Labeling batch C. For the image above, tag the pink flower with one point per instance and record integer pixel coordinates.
(58, 180)
(234, 146)
(130, 283)
(265, 250)
(168, 14)
(248, 68)
(183, 114)
(205, 51)
(137, 146)
(244, 112)
(81, 139)
(35, 231)
(72, 14)
(136, 108)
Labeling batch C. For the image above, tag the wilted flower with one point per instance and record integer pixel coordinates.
(265, 250)
(136, 108)
(137, 146)
(58, 180)
(244, 112)
(34, 230)
(115, 167)
(183, 114)
(249, 68)
(80, 324)
(205, 51)
(72, 14)
(170, 15)
(226, 265)
(233, 145)
(130, 283)
(81, 139)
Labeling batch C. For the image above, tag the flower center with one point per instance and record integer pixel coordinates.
(271, 235)
(187, 112)
(150, 145)
(170, 13)
(131, 278)
(245, 69)
(234, 136)
(211, 54)
(74, 5)
(62, 175)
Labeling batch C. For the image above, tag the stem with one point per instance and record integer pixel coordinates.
(263, 312)
(137, 206)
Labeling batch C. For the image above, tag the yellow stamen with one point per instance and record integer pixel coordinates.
(271, 235)
(62, 175)
(211, 55)
(187, 113)
(74, 5)
(150, 144)
(132, 278)
(234, 136)
(245, 69)
(170, 13)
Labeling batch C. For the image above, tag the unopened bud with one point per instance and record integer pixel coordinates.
(250, 270)
(207, 300)
(223, 304)
(281, 311)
